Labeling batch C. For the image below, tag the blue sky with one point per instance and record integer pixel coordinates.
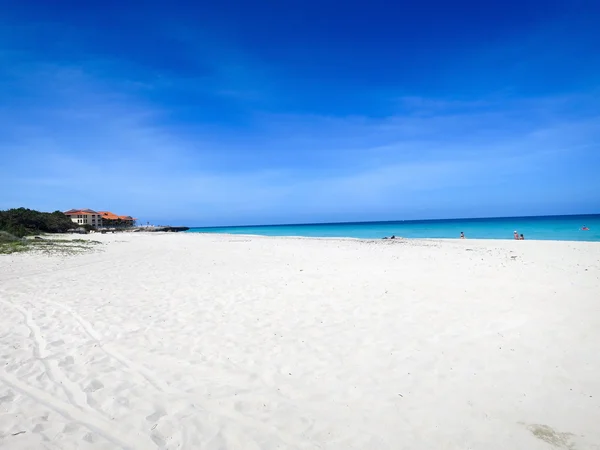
(239, 112)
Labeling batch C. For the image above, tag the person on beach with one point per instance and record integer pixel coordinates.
(516, 235)
(462, 235)
(521, 238)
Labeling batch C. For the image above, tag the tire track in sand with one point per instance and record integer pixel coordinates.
(134, 368)
(99, 425)
(71, 390)
(78, 410)
(164, 387)
(161, 386)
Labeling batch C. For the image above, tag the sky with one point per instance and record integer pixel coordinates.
(243, 112)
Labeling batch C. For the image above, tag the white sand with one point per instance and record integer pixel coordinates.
(218, 342)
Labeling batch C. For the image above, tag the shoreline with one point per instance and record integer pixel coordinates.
(398, 238)
(533, 228)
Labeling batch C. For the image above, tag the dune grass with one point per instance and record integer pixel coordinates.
(47, 245)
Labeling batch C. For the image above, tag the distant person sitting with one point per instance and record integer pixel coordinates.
(393, 237)
(462, 235)
(516, 235)
(521, 238)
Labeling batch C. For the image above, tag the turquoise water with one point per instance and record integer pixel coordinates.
(560, 228)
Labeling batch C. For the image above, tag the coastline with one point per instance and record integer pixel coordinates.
(240, 341)
(555, 228)
(396, 239)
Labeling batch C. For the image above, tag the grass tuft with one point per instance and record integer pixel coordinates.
(48, 246)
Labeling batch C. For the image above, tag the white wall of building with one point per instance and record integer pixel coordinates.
(94, 220)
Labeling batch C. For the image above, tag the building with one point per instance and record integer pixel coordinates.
(85, 217)
(99, 219)
(112, 220)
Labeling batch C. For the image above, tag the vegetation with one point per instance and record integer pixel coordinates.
(87, 227)
(10, 243)
(17, 223)
(117, 223)
(48, 246)
(13, 247)
(23, 222)
(6, 238)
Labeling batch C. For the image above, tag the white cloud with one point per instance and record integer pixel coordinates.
(92, 146)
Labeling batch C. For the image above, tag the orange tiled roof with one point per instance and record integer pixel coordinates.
(110, 216)
(104, 214)
(75, 212)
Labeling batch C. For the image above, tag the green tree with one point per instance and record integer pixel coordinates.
(22, 222)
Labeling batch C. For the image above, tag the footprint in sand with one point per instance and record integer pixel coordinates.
(9, 397)
(155, 416)
(90, 437)
(158, 439)
(94, 386)
(123, 401)
(70, 428)
(68, 361)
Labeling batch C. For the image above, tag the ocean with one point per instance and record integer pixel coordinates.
(558, 228)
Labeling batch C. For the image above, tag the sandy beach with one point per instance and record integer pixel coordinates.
(190, 341)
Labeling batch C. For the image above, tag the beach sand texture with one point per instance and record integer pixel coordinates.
(191, 341)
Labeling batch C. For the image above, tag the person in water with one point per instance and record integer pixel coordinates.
(521, 238)
(516, 235)
(584, 228)
(462, 235)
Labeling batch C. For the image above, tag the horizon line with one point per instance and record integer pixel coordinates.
(393, 221)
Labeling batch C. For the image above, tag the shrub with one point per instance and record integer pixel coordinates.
(5, 237)
(22, 222)
(87, 227)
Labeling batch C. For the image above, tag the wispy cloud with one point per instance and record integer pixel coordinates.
(72, 138)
